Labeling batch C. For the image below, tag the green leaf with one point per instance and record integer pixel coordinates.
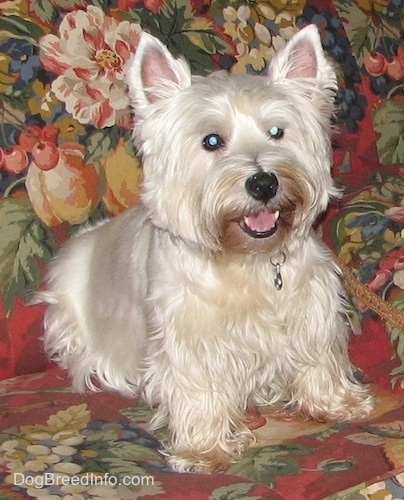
(388, 120)
(238, 491)
(127, 469)
(69, 5)
(360, 28)
(324, 435)
(199, 60)
(202, 34)
(101, 438)
(132, 452)
(390, 430)
(24, 242)
(104, 5)
(264, 464)
(195, 38)
(139, 413)
(101, 143)
(395, 332)
(397, 339)
(363, 40)
(48, 10)
(336, 465)
(18, 99)
(44, 10)
(22, 28)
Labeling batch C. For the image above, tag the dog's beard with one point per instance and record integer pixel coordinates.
(246, 226)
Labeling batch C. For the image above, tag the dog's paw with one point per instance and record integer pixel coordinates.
(356, 406)
(215, 459)
(350, 406)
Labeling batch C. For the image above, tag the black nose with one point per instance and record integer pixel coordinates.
(262, 186)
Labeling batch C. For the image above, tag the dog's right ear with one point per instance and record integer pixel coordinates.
(155, 74)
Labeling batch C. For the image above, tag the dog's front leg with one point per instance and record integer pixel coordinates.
(207, 433)
(204, 412)
(327, 392)
(323, 385)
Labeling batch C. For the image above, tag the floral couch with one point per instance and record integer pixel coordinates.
(66, 160)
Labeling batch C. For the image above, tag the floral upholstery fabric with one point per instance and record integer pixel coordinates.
(55, 442)
(367, 234)
(67, 160)
(66, 157)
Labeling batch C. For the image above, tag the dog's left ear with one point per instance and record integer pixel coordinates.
(155, 74)
(303, 58)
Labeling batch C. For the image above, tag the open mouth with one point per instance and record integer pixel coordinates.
(260, 224)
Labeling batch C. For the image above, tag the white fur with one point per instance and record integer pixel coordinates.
(174, 300)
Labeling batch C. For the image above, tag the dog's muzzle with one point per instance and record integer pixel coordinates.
(261, 224)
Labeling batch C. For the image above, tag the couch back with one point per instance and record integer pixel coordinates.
(66, 156)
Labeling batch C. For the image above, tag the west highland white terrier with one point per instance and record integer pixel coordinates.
(214, 294)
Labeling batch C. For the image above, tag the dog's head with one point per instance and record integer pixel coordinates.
(235, 162)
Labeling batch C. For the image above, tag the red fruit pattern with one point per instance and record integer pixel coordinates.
(375, 63)
(45, 154)
(385, 69)
(13, 160)
(378, 64)
(36, 142)
(394, 68)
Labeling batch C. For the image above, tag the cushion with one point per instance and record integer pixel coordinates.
(55, 442)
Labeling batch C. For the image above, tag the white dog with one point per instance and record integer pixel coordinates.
(214, 295)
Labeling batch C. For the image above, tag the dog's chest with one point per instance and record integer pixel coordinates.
(230, 300)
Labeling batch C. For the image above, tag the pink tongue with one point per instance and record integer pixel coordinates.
(262, 221)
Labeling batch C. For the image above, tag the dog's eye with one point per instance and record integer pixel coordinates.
(275, 132)
(213, 142)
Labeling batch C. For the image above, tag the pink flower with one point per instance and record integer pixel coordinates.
(396, 214)
(381, 278)
(91, 56)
